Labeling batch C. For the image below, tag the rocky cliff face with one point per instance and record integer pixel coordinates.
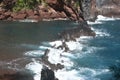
(55, 9)
(89, 9)
(110, 8)
(92, 8)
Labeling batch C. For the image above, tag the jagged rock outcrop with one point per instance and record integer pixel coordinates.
(44, 59)
(110, 8)
(47, 74)
(92, 8)
(82, 30)
(88, 8)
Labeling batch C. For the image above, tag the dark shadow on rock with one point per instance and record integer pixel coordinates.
(47, 74)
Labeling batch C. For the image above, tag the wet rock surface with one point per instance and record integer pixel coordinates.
(44, 59)
(47, 74)
(82, 30)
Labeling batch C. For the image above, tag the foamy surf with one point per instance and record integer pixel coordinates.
(100, 32)
(68, 75)
(100, 20)
(36, 68)
(28, 20)
(56, 56)
(35, 53)
(65, 58)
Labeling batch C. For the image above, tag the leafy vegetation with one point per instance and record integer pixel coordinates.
(25, 4)
(17, 5)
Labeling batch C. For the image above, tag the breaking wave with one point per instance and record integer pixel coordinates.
(78, 49)
(101, 19)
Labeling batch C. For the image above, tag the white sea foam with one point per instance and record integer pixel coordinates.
(59, 56)
(28, 20)
(68, 75)
(92, 72)
(81, 74)
(100, 32)
(103, 18)
(36, 68)
(56, 43)
(96, 22)
(100, 19)
(56, 56)
(74, 45)
(71, 44)
(35, 53)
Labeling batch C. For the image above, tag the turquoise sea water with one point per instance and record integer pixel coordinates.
(89, 58)
(101, 52)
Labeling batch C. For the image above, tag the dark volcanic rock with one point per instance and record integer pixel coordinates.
(47, 74)
(88, 9)
(44, 59)
(82, 30)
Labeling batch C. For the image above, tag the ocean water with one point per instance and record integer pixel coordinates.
(89, 58)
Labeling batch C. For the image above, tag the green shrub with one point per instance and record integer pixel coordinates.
(25, 4)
